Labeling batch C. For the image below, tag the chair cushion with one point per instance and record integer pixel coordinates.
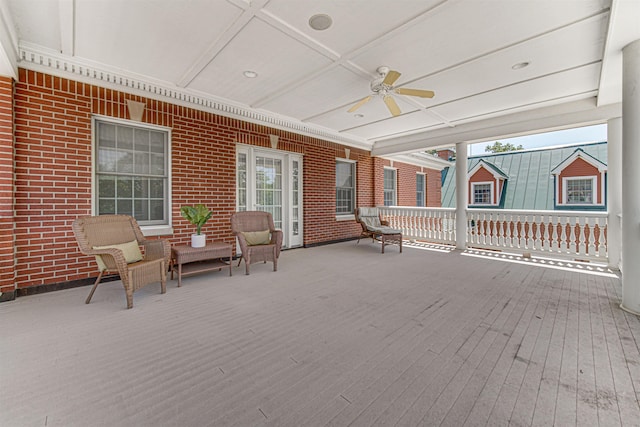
(130, 250)
(254, 238)
(385, 230)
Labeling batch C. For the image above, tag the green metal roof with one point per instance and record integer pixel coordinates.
(530, 184)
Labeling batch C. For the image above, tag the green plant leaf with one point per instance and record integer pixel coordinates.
(197, 215)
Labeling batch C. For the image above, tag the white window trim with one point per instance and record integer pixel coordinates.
(594, 186)
(351, 216)
(147, 230)
(395, 186)
(492, 190)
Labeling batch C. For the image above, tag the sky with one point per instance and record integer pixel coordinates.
(595, 133)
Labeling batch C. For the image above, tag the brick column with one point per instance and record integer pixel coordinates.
(7, 242)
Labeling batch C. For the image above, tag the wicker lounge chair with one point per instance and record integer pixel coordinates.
(373, 226)
(258, 238)
(115, 241)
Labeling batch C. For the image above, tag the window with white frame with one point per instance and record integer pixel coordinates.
(390, 182)
(580, 191)
(420, 189)
(345, 187)
(131, 171)
(482, 193)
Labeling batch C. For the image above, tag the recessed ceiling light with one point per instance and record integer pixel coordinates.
(250, 74)
(520, 65)
(359, 116)
(320, 22)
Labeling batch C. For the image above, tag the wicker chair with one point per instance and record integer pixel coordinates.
(249, 226)
(373, 226)
(115, 241)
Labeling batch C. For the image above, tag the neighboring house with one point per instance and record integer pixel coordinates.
(571, 177)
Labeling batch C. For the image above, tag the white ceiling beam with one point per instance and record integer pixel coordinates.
(624, 27)
(561, 116)
(67, 13)
(346, 58)
(249, 12)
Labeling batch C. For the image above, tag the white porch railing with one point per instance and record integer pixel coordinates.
(430, 224)
(577, 235)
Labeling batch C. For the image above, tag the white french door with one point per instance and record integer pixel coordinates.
(271, 181)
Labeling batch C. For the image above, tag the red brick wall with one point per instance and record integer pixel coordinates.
(53, 171)
(577, 168)
(7, 270)
(52, 118)
(406, 183)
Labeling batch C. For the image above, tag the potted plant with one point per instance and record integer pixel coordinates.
(197, 215)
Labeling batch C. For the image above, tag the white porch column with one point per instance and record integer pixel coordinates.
(462, 195)
(614, 190)
(631, 177)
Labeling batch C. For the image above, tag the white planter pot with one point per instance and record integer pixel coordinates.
(198, 240)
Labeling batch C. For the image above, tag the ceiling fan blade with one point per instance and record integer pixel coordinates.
(392, 105)
(391, 78)
(359, 104)
(415, 92)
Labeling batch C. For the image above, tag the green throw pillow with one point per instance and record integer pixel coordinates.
(131, 252)
(257, 237)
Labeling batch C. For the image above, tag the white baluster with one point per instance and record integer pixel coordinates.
(603, 249)
(591, 246)
(572, 236)
(546, 245)
(538, 237)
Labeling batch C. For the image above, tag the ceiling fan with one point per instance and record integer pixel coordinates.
(383, 86)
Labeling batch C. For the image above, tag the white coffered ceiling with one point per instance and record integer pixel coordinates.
(195, 52)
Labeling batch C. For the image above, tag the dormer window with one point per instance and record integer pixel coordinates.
(482, 193)
(486, 184)
(580, 182)
(579, 191)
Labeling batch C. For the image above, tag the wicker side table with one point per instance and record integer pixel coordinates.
(213, 257)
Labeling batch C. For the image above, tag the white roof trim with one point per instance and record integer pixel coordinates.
(485, 165)
(35, 58)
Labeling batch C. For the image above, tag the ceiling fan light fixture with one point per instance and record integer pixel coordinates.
(520, 65)
(250, 74)
(320, 22)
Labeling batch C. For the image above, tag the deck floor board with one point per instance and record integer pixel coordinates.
(341, 335)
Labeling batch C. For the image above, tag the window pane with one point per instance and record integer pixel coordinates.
(107, 186)
(141, 210)
(107, 135)
(156, 210)
(124, 207)
(106, 206)
(125, 138)
(141, 163)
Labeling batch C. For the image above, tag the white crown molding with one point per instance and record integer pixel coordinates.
(36, 58)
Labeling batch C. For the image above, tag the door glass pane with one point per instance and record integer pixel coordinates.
(269, 187)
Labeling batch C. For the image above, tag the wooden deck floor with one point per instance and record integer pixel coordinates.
(340, 335)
